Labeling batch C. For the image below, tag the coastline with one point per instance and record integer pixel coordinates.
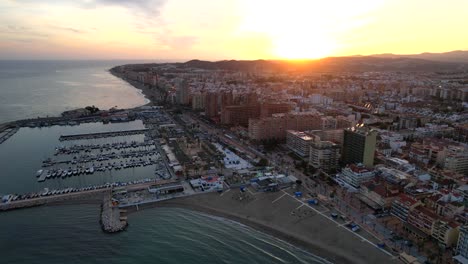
(340, 247)
(145, 92)
(263, 228)
(257, 217)
(142, 89)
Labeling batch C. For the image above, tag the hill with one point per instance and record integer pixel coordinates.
(457, 56)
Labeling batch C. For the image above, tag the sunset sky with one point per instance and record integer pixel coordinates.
(228, 29)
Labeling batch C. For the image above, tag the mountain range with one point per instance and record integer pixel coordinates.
(454, 61)
(458, 56)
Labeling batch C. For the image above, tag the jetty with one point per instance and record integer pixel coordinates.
(6, 133)
(89, 194)
(113, 219)
(103, 134)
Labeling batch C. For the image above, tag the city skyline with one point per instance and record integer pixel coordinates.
(214, 30)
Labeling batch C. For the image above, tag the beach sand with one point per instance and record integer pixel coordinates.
(269, 213)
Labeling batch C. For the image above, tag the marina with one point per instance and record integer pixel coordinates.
(85, 159)
(33, 146)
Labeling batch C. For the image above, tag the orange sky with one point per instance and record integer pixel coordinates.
(228, 29)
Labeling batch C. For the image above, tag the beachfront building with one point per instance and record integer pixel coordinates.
(271, 183)
(402, 205)
(378, 194)
(324, 155)
(354, 175)
(208, 183)
(299, 142)
(462, 246)
(446, 232)
(422, 219)
(333, 135)
(359, 146)
(166, 188)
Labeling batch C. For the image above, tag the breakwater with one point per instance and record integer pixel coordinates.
(113, 219)
(103, 134)
(86, 195)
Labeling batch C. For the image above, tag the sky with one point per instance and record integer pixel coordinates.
(228, 29)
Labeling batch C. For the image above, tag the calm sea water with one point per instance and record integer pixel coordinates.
(71, 234)
(30, 89)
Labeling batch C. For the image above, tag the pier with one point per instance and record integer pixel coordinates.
(72, 194)
(7, 133)
(113, 218)
(43, 200)
(103, 134)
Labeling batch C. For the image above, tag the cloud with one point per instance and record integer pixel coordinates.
(139, 7)
(19, 30)
(70, 29)
(145, 7)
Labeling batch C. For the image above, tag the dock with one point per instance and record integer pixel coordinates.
(43, 176)
(103, 134)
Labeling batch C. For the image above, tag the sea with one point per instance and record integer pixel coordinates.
(29, 89)
(71, 233)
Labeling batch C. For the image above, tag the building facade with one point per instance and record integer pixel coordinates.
(462, 245)
(324, 155)
(299, 142)
(354, 175)
(359, 146)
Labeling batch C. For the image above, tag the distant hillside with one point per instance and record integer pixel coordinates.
(349, 64)
(458, 56)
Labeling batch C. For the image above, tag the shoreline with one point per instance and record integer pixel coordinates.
(347, 249)
(141, 88)
(309, 248)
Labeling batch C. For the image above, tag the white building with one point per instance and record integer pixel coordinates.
(354, 175)
(299, 142)
(462, 248)
(324, 155)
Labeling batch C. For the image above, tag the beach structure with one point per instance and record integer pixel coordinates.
(272, 183)
(166, 188)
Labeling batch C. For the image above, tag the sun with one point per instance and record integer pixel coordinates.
(293, 48)
(305, 29)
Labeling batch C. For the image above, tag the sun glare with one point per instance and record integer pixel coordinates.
(302, 48)
(305, 29)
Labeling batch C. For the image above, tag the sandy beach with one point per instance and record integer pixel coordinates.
(149, 94)
(271, 213)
